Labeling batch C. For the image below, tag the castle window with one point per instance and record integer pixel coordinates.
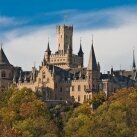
(79, 88)
(3, 74)
(78, 98)
(73, 88)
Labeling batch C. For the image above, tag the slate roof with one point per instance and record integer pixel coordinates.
(92, 64)
(3, 59)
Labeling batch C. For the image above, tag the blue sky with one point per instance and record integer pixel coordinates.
(27, 24)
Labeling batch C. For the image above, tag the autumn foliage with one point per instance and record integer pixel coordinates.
(23, 114)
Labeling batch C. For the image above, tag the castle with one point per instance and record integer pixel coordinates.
(62, 75)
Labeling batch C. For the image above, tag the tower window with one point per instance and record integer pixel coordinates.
(72, 88)
(3, 74)
(79, 88)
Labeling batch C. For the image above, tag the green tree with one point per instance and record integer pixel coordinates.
(24, 114)
(116, 117)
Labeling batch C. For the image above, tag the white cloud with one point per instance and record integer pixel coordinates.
(113, 45)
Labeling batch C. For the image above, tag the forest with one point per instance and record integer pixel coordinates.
(24, 114)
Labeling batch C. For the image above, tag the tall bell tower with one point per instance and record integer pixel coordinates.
(64, 38)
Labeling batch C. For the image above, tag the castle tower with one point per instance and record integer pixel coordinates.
(64, 38)
(93, 72)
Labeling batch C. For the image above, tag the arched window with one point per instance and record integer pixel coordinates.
(3, 74)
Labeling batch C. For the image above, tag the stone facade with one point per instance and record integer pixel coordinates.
(6, 71)
(62, 77)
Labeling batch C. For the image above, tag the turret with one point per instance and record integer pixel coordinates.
(47, 53)
(93, 72)
(92, 63)
(134, 63)
(80, 53)
(34, 74)
(134, 71)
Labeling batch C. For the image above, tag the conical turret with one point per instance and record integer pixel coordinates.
(134, 63)
(92, 63)
(80, 53)
(3, 59)
(47, 53)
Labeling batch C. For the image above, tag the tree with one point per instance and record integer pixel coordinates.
(116, 117)
(25, 114)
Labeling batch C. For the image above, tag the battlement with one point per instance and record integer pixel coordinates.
(64, 27)
(64, 37)
(58, 55)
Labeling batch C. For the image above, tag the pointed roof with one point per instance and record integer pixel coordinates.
(80, 49)
(134, 63)
(48, 48)
(3, 59)
(92, 64)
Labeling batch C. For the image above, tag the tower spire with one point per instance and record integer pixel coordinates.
(48, 48)
(3, 59)
(92, 64)
(80, 53)
(134, 63)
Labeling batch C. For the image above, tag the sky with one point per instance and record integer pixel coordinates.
(26, 25)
